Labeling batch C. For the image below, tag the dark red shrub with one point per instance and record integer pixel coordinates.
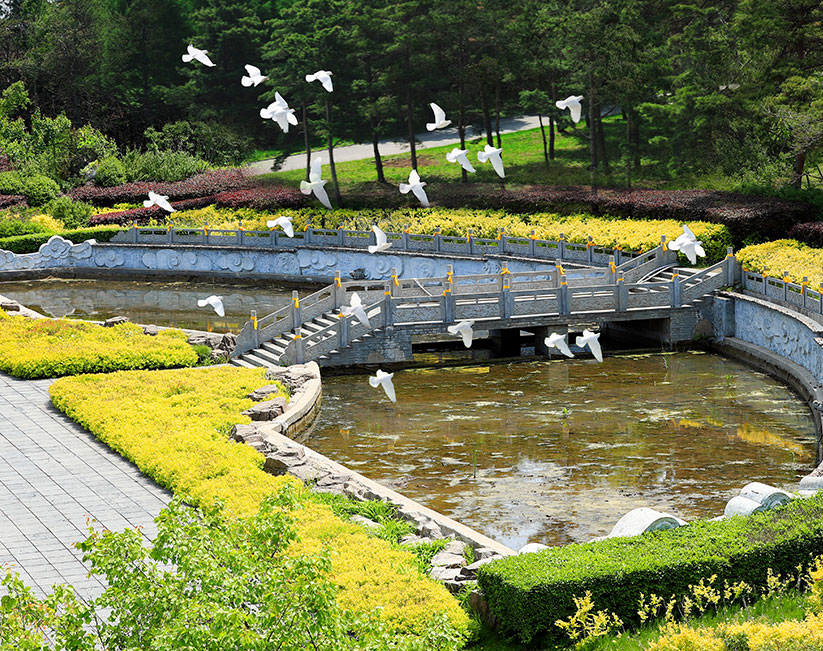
(810, 233)
(9, 200)
(262, 198)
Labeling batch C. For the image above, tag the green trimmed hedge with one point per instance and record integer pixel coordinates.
(31, 243)
(528, 593)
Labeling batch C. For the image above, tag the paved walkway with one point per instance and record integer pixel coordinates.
(53, 476)
(389, 147)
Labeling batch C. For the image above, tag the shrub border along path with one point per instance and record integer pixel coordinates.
(53, 475)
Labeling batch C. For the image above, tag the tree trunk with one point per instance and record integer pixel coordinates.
(330, 144)
(797, 170)
(551, 137)
(601, 140)
(461, 130)
(545, 144)
(636, 139)
(306, 142)
(591, 123)
(487, 120)
(497, 113)
(378, 162)
(410, 121)
(629, 153)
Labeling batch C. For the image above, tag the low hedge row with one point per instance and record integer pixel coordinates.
(38, 348)
(528, 593)
(31, 243)
(791, 256)
(174, 425)
(145, 215)
(201, 185)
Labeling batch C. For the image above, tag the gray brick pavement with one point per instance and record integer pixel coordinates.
(53, 477)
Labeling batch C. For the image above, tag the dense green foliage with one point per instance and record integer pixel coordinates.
(530, 592)
(733, 86)
(206, 582)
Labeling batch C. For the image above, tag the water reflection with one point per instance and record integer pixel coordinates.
(556, 452)
(161, 303)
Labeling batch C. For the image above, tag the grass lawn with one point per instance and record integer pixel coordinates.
(524, 163)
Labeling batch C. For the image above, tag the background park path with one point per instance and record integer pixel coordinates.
(53, 476)
(391, 146)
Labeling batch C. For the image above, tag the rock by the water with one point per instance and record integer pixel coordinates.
(115, 320)
(447, 559)
(263, 392)
(151, 330)
(267, 410)
(365, 522)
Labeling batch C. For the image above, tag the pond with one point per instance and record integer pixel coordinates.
(158, 302)
(557, 451)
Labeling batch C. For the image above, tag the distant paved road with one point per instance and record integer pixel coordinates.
(388, 147)
(53, 475)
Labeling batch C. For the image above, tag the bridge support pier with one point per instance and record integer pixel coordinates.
(505, 343)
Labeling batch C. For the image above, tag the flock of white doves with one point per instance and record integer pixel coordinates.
(279, 112)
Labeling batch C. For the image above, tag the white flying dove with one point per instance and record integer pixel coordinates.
(492, 154)
(440, 120)
(572, 102)
(315, 183)
(283, 222)
(459, 156)
(384, 379)
(590, 339)
(254, 77)
(463, 329)
(381, 242)
(201, 56)
(356, 308)
(416, 186)
(689, 245)
(555, 340)
(280, 112)
(324, 77)
(159, 200)
(215, 301)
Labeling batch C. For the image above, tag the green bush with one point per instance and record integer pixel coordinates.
(15, 227)
(162, 166)
(39, 189)
(31, 243)
(216, 143)
(73, 214)
(110, 172)
(528, 593)
(11, 183)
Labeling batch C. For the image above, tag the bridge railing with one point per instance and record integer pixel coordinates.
(530, 247)
(800, 295)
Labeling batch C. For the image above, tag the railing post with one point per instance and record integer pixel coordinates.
(561, 247)
(785, 280)
(134, 234)
(612, 269)
(470, 241)
(206, 234)
(674, 290)
(803, 287)
(532, 244)
(616, 254)
(170, 234)
(273, 237)
(764, 276)
(301, 348)
(240, 234)
(393, 281)
(729, 264)
(563, 296)
(437, 239)
(297, 319)
(388, 307)
(339, 292)
(590, 249)
(253, 319)
(660, 255)
(501, 239)
(820, 299)
(621, 296)
(559, 273)
(344, 331)
(341, 236)
(307, 232)
(404, 238)
(506, 300)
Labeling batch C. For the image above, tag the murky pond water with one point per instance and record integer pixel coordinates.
(556, 452)
(158, 302)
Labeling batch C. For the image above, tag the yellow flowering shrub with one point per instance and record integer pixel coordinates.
(785, 255)
(48, 223)
(37, 348)
(630, 234)
(790, 635)
(174, 426)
